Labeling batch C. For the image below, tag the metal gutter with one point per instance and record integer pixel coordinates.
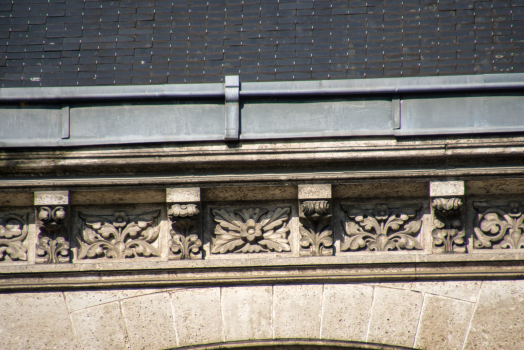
(284, 88)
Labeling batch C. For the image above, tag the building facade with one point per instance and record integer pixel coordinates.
(261, 174)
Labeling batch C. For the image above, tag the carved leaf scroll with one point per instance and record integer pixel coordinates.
(53, 245)
(185, 242)
(500, 225)
(381, 229)
(448, 236)
(13, 232)
(316, 228)
(119, 237)
(251, 230)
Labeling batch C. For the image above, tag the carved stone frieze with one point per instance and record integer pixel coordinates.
(53, 236)
(251, 230)
(185, 240)
(500, 226)
(381, 229)
(316, 228)
(13, 232)
(119, 236)
(448, 236)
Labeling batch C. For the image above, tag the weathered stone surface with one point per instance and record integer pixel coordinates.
(381, 190)
(345, 311)
(394, 316)
(100, 327)
(463, 290)
(446, 188)
(35, 321)
(198, 317)
(443, 323)
(247, 312)
(183, 195)
(498, 319)
(149, 321)
(51, 198)
(116, 197)
(248, 193)
(314, 191)
(297, 311)
(81, 299)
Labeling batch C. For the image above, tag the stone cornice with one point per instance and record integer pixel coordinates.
(356, 268)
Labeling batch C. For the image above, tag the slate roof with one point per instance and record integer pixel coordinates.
(76, 42)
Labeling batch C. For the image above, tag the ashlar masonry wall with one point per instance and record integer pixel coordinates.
(423, 315)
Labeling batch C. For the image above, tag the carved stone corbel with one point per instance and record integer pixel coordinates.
(316, 228)
(185, 232)
(448, 236)
(53, 235)
(13, 232)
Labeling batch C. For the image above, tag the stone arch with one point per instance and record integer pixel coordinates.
(294, 344)
(379, 315)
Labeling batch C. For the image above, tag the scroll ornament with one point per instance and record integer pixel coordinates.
(316, 228)
(501, 225)
(381, 229)
(53, 245)
(119, 237)
(448, 236)
(251, 230)
(13, 232)
(185, 242)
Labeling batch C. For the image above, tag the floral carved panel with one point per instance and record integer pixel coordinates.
(13, 232)
(53, 236)
(316, 228)
(499, 226)
(381, 229)
(185, 240)
(251, 230)
(118, 236)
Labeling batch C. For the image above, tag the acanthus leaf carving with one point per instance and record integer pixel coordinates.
(185, 242)
(500, 225)
(13, 232)
(316, 228)
(381, 229)
(119, 237)
(448, 236)
(53, 245)
(251, 230)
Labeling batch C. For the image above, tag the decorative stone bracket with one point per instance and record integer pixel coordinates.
(448, 234)
(185, 233)
(52, 212)
(316, 220)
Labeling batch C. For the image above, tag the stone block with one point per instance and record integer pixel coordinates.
(247, 312)
(463, 290)
(52, 198)
(345, 311)
(81, 299)
(446, 188)
(183, 195)
(198, 317)
(149, 322)
(35, 321)
(498, 319)
(100, 327)
(443, 323)
(394, 316)
(314, 191)
(297, 311)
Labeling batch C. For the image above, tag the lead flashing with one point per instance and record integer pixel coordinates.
(283, 88)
